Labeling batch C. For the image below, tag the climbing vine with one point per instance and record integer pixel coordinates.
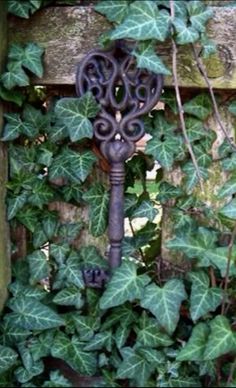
(159, 322)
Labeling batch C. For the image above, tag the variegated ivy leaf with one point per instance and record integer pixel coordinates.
(13, 127)
(191, 178)
(125, 285)
(30, 57)
(75, 114)
(97, 197)
(30, 314)
(203, 299)
(23, 375)
(148, 59)
(85, 326)
(23, 8)
(38, 265)
(16, 204)
(144, 21)
(146, 209)
(100, 341)
(195, 347)
(14, 76)
(185, 34)
(222, 339)
(114, 10)
(199, 14)
(8, 358)
(81, 361)
(70, 296)
(228, 189)
(165, 303)
(229, 210)
(200, 106)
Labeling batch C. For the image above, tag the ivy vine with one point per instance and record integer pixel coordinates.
(159, 322)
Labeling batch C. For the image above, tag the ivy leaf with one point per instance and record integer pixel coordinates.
(13, 128)
(59, 252)
(195, 347)
(38, 265)
(135, 367)
(125, 285)
(200, 106)
(227, 189)
(15, 76)
(144, 21)
(218, 258)
(114, 10)
(148, 59)
(75, 114)
(203, 299)
(99, 341)
(81, 361)
(222, 339)
(57, 380)
(91, 257)
(199, 15)
(70, 296)
(150, 335)
(23, 8)
(229, 210)
(191, 179)
(165, 303)
(33, 315)
(163, 151)
(85, 326)
(185, 34)
(121, 336)
(28, 56)
(16, 204)
(146, 209)
(181, 382)
(81, 163)
(8, 358)
(232, 108)
(97, 197)
(73, 273)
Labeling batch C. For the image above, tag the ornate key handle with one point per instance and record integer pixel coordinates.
(125, 93)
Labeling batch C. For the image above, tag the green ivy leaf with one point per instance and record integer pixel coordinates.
(114, 10)
(203, 299)
(57, 380)
(99, 341)
(199, 15)
(144, 21)
(23, 375)
(73, 273)
(82, 163)
(163, 151)
(165, 303)
(16, 204)
(125, 285)
(195, 347)
(15, 76)
(8, 358)
(150, 335)
(91, 257)
(121, 336)
(200, 106)
(70, 296)
(13, 128)
(229, 210)
(191, 179)
(146, 209)
(97, 197)
(148, 59)
(232, 108)
(85, 326)
(185, 34)
(222, 339)
(33, 315)
(168, 191)
(23, 8)
(38, 265)
(218, 258)
(135, 367)
(181, 382)
(228, 189)
(29, 57)
(75, 114)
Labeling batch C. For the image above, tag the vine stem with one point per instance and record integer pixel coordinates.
(179, 101)
(226, 280)
(231, 374)
(202, 69)
(133, 233)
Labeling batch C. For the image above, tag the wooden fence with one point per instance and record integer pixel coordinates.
(67, 33)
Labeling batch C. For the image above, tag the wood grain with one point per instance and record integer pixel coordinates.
(68, 33)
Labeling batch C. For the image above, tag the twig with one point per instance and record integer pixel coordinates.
(133, 233)
(231, 373)
(179, 102)
(212, 276)
(203, 71)
(226, 280)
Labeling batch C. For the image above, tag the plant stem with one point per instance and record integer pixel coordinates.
(203, 71)
(179, 101)
(133, 233)
(232, 370)
(226, 279)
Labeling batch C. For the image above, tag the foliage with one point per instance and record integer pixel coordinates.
(144, 328)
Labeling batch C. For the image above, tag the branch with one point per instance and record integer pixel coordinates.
(226, 280)
(179, 102)
(203, 71)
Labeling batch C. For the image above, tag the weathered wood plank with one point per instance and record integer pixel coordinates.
(5, 272)
(67, 33)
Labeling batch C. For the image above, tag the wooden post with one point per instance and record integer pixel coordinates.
(5, 265)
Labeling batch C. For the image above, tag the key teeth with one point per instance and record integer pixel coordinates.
(95, 277)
